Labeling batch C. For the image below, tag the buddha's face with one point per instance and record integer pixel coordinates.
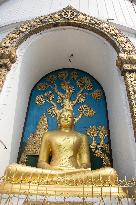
(66, 119)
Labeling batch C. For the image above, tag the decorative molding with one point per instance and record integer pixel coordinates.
(127, 65)
(3, 73)
(130, 81)
(71, 17)
(126, 62)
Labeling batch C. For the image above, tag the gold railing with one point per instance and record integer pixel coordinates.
(54, 195)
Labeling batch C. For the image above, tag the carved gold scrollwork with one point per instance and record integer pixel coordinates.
(99, 149)
(69, 14)
(7, 56)
(34, 142)
(3, 73)
(127, 65)
(64, 98)
(130, 81)
(97, 95)
(126, 62)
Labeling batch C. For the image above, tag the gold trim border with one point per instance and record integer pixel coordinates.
(126, 60)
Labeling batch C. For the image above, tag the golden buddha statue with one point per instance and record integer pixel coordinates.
(63, 160)
(69, 153)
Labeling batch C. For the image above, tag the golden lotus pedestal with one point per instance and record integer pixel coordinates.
(61, 190)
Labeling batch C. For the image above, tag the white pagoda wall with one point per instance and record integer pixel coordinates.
(121, 12)
(48, 51)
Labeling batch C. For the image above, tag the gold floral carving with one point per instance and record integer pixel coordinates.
(97, 95)
(39, 100)
(86, 111)
(34, 142)
(69, 17)
(85, 82)
(42, 86)
(64, 98)
(74, 75)
(51, 78)
(62, 75)
(99, 149)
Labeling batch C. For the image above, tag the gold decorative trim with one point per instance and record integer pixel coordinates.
(71, 17)
(3, 73)
(130, 81)
(101, 149)
(126, 62)
(127, 65)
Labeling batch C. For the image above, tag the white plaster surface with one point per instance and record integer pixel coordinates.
(122, 12)
(48, 51)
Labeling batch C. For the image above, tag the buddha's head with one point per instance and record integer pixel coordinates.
(66, 119)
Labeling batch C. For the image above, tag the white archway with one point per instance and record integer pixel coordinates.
(50, 50)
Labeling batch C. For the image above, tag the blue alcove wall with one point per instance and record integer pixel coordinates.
(94, 98)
